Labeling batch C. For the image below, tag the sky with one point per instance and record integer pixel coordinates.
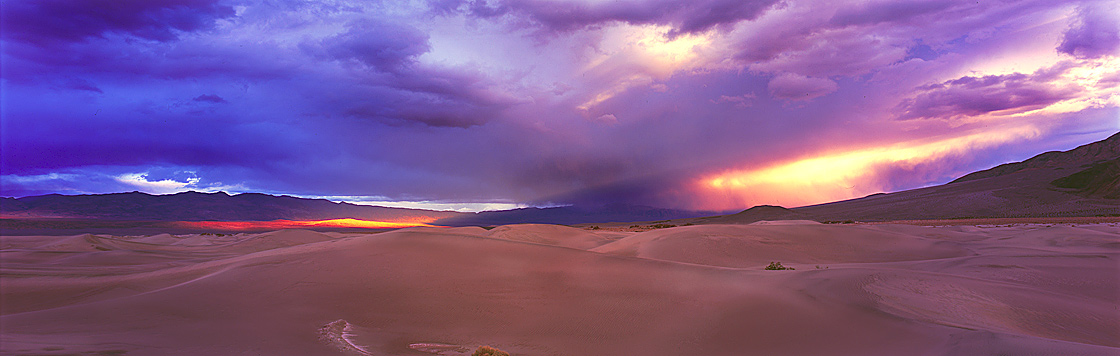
(475, 105)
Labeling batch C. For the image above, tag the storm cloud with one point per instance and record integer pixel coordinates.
(972, 96)
(652, 102)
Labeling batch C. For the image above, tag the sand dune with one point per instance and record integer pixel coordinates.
(747, 246)
(694, 290)
(554, 235)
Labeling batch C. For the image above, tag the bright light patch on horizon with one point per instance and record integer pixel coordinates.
(290, 224)
(842, 175)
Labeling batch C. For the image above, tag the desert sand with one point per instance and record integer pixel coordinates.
(888, 289)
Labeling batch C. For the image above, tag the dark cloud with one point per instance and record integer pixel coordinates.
(1093, 35)
(381, 45)
(972, 96)
(790, 86)
(44, 21)
(447, 115)
(880, 12)
(53, 141)
(81, 84)
(210, 98)
(832, 39)
(390, 87)
(815, 50)
(683, 16)
(419, 95)
(368, 99)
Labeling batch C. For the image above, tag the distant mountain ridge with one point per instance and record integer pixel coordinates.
(1084, 181)
(220, 206)
(1096, 152)
(758, 213)
(195, 206)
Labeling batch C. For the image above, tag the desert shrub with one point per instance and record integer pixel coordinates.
(777, 266)
(662, 226)
(489, 351)
(594, 227)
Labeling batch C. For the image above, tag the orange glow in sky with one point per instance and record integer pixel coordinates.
(839, 175)
(295, 224)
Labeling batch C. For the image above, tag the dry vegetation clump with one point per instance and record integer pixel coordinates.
(489, 351)
(777, 266)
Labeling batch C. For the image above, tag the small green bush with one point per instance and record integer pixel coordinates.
(777, 266)
(489, 351)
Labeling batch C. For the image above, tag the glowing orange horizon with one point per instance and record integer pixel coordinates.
(839, 175)
(290, 224)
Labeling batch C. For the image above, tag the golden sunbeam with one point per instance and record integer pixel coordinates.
(846, 174)
(295, 224)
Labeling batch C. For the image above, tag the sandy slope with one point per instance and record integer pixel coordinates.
(551, 290)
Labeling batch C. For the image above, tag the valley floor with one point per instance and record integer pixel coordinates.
(888, 289)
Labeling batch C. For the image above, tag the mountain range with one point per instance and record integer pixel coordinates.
(219, 206)
(1084, 181)
(195, 206)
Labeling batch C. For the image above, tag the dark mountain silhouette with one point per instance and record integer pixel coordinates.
(758, 213)
(1084, 181)
(1090, 154)
(195, 206)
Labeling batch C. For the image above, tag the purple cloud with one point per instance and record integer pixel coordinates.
(683, 16)
(210, 98)
(42, 21)
(81, 84)
(789, 86)
(380, 45)
(833, 39)
(880, 12)
(1096, 33)
(972, 96)
(529, 101)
